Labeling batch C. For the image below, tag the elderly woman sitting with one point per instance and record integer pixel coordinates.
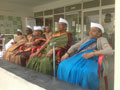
(82, 68)
(38, 40)
(42, 60)
(13, 49)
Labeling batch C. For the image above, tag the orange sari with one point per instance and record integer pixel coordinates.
(20, 58)
(15, 47)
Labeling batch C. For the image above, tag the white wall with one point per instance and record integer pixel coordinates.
(23, 13)
(19, 11)
(13, 8)
(117, 45)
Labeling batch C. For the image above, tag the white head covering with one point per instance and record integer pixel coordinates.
(19, 30)
(63, 21)
(98, 26)
(9, 44)
(43, 27)
(28, 26)
(38, 28)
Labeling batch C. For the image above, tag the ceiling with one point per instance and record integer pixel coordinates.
(7, 5)
(24, 5)
(30, 3)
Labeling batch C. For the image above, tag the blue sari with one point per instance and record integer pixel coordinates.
(80, 71)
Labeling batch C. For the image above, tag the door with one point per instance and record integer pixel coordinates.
(89, 16)
(74, 27)
(49, 22)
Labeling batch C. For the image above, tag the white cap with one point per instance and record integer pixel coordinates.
(43, 27)
(38, 28)
(63, 21)
(98, 26)
(19, 30)
(28, 26)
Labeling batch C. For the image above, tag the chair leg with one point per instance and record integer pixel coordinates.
(106, 82)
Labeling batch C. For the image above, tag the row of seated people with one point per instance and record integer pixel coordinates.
(79, 64)
(22, 44)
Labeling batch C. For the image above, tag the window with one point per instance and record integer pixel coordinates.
(59, 10)
(91, 3)
(48, 12)
(108, 2)
(39, 21)
(108, 23)
(73, 7)
(37, 14)
(91, 16)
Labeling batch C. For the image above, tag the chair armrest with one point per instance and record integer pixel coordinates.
(21, 48)
(100, 64)
(60, 53)
(35, 49)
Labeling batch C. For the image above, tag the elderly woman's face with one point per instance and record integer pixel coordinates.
(19, 33)
(61, 27)
(94, 32)
(28, 31)
(47, 29)
(37, 32)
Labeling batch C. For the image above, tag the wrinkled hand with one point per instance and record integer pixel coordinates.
(64, 57)
(33, 55)
(88, 55)
(49, 54)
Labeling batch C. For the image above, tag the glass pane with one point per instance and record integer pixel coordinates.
(108, 17)
(92, 3)
(37, 14)
(59, 10)
(73, 7)
(48, 12)
(39, 21)
(92, 16)
(108, 2)
(73, 26)
(56, 19)
(49, 22)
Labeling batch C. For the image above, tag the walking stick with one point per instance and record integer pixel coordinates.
(54, 64)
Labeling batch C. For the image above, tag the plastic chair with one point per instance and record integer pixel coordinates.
(99, 71)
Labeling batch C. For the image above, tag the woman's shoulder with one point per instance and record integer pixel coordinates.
(85, 38)
(101, 39)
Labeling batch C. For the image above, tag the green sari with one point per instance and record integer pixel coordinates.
(44, 64)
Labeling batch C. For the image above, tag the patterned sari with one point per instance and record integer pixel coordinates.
(20, 58)
(80, 71)
(15, 47)
(43, 63)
